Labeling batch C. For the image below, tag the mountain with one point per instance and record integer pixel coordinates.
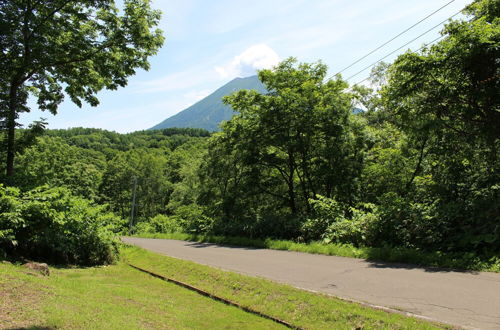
(357, 111)
(210, 111)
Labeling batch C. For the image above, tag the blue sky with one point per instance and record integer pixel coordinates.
(209, 43)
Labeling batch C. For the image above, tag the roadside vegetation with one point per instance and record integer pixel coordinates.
(414, 178)
(457, 261)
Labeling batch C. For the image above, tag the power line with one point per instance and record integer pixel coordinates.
(401, 33)
(426, 45)
(406, 44)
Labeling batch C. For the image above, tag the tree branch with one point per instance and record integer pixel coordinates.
(49, 15)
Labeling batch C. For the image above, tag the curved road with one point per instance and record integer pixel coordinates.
(467, 299)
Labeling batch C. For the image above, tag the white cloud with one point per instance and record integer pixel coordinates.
(256, 57)
(171, 82)
(195, 96)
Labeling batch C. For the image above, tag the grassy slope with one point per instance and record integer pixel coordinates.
(120, 297)
(466, 261)
(113, 297)
(301, 308)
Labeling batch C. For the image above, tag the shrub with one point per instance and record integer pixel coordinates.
(10, 219)
(158, 224)
(406, 223)
(191, 219)
(357, 230)
(270, 225)
(327, 212)
(334, 222)
(53, 225)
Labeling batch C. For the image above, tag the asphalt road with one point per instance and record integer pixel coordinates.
(460, 298)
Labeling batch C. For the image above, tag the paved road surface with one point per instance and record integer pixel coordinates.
(460, 298)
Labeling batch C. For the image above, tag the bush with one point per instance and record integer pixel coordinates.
(327, 212)
(358, 230)
(335, 223)
(410, 224)
(270, 225)
(191, 219)
(158, 224)
(10, 219)
(51, 224)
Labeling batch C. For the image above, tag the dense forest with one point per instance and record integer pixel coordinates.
(417, 169)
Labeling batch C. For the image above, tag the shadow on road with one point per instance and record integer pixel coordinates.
(373, 262)
(199, 245)
(395, 265)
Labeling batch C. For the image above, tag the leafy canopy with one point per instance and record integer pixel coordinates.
(76, 48)
(80, 47)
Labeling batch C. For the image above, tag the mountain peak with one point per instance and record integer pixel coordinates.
(209, 112)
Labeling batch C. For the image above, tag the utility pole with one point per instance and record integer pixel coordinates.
(132, 211)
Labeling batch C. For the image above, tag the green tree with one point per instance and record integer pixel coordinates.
(53, 162)
(299, 130)
(183, 166)
(295, 141)
(77, 48)
(153, 187)
(446, 101)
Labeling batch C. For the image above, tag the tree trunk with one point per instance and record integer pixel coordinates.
(11, 131)
(291, 196)
(291, 185)
(418, 166)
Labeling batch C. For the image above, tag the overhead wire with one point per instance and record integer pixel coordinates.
(406, 44)
(424, 46)
(393, 38)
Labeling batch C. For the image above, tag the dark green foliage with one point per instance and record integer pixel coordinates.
(210, 111)
(53, 162)
(149, 169)
(99, 165)
(188, 131)
(191, 219)
(424, 155)
(445, 100)
(332, 223)
(298, 140)
(10, 219)
(159, 224)
(53, 49)
(25, 138)
(110, 143)
(53, 225)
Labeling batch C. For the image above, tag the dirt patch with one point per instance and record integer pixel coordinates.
(20, 303)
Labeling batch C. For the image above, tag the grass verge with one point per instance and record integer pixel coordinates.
(112, 297)
(462, 261)
(298, 307)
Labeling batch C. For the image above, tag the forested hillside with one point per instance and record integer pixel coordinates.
(418, 170)
(64, 177)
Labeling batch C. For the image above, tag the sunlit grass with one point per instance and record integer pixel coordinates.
(113, 297)
(120, 297)
(298, 307)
